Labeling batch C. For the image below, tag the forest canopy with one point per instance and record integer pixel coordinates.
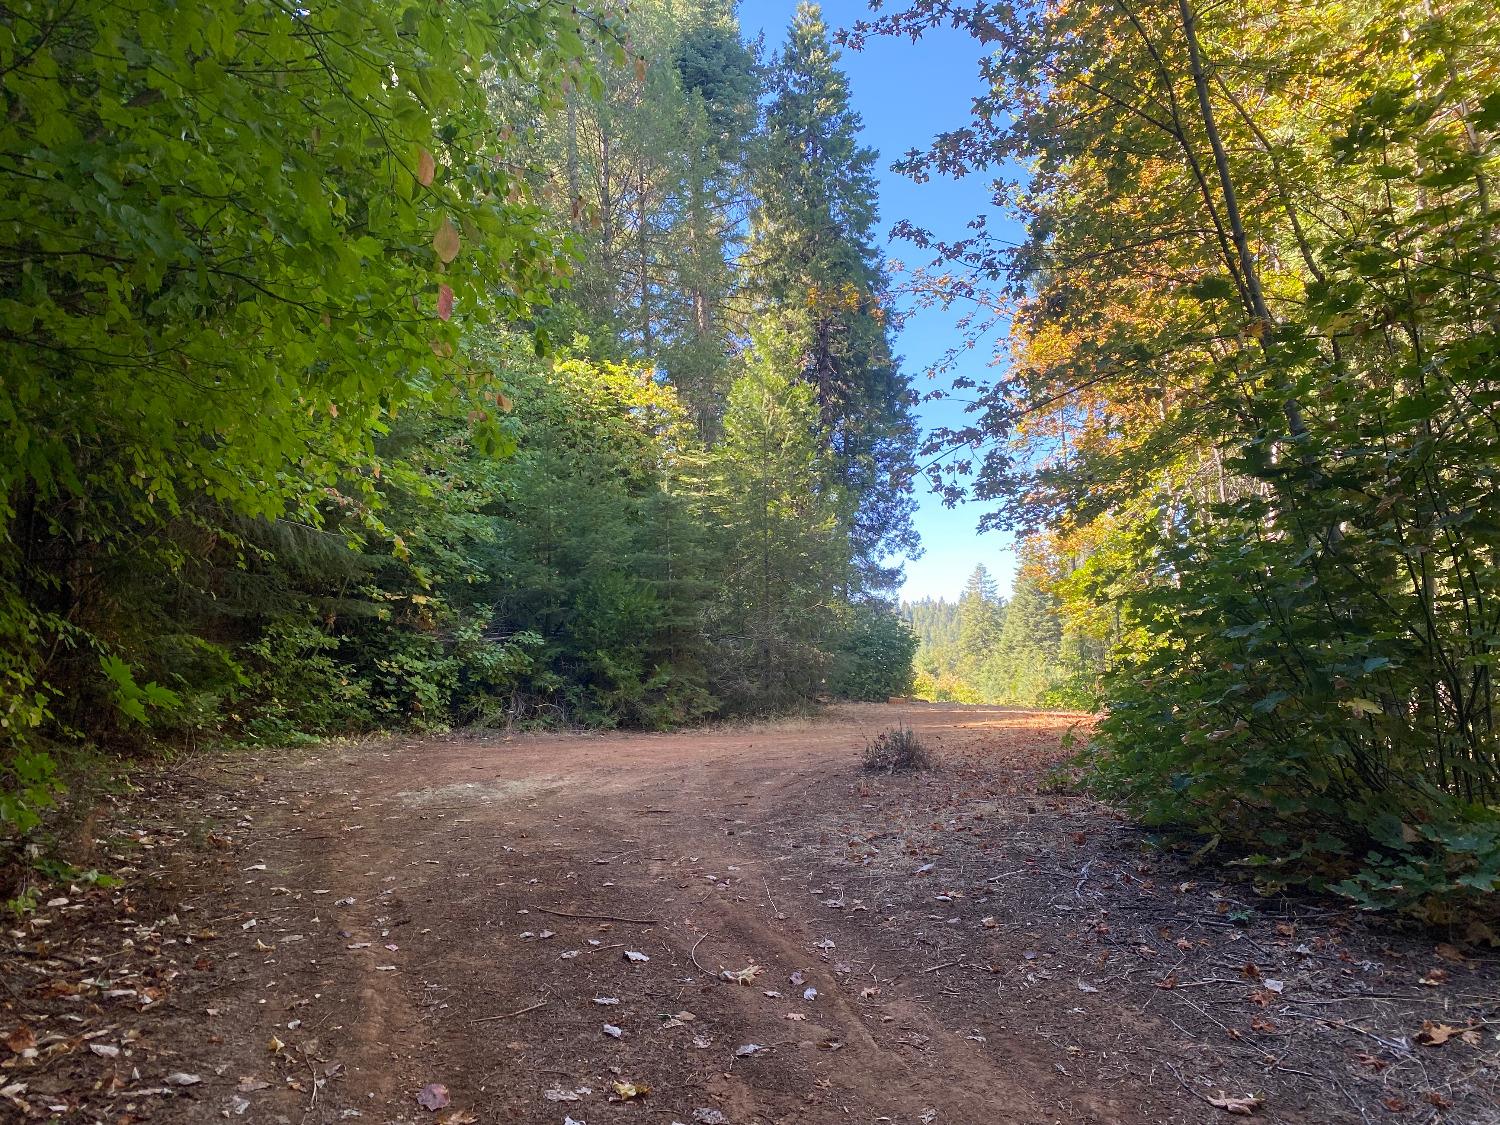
(381, 366)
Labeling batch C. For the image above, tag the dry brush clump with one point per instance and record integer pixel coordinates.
(897, 748)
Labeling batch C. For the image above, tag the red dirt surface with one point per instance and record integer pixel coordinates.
(322, 935)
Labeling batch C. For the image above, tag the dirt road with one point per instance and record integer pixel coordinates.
(541, 925)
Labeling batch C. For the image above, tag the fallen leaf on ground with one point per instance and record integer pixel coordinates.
(613, 1032)
(798, 1016)
(748, 1049)
(741, 976)
(1436, 1034)
(249, 1084)
(1240, 1106)
(635, 958)
(557, 1094)
(459, 1117)
(434, 1096)
(181, 1079)
(624, 1091)
(605, 1001)
(708, 1116)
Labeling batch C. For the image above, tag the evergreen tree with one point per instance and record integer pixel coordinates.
(783, 556)
(812, 247)
(650, 179)
(718, 76)
(1025, 663)
(981, 616)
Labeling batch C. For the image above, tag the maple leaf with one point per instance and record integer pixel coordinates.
(1436, 1034)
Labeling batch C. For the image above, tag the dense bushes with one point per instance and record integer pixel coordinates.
(874, 656)
(1250, 419)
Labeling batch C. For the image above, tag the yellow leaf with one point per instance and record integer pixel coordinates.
(426, 168)
(445, 241)
(1436, 1034)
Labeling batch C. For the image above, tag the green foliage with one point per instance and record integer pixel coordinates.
(873, 659)
(295, 450)
(236, 235)
(783, 556)
(984, 649)
(1256, 342)
(812, 249)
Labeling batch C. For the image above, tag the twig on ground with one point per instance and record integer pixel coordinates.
(510, 1015)
(693, 953)
(598, 917)
(1083, 877)
(944, 965)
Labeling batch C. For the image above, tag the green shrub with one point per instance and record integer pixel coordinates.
(873, 660)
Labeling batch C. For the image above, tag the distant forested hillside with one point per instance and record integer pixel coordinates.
(986, 649)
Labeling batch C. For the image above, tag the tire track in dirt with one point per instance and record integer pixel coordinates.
(451, 848)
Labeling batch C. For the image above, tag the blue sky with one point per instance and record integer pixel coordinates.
(905, 93)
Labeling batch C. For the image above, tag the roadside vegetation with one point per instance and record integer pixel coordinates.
(1246, 422)
(389, 368)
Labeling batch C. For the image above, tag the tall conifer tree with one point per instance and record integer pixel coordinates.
(813, 247)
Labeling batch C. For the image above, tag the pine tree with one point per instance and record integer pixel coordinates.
(981, 617)
(721, 85)
(812, 247)
(1026, 660)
